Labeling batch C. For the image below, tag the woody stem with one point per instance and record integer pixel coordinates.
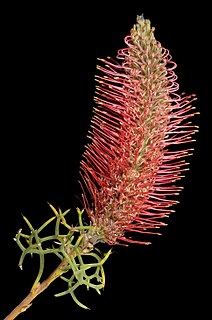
(36, 290)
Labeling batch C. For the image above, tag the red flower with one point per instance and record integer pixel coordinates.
(140, 131)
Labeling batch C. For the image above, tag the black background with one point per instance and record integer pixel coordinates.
(49, 56)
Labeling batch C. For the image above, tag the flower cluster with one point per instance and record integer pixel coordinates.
(139, 138)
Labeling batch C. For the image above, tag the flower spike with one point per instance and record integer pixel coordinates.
(140, 132)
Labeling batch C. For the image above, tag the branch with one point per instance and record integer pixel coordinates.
(70, 248)
(39, 288)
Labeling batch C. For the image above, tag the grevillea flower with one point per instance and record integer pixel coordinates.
(138, 142)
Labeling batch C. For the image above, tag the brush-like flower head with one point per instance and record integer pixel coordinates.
(140, 133)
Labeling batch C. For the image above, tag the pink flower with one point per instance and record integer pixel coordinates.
(140, 134)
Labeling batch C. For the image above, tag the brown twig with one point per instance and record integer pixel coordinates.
(35, 291)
